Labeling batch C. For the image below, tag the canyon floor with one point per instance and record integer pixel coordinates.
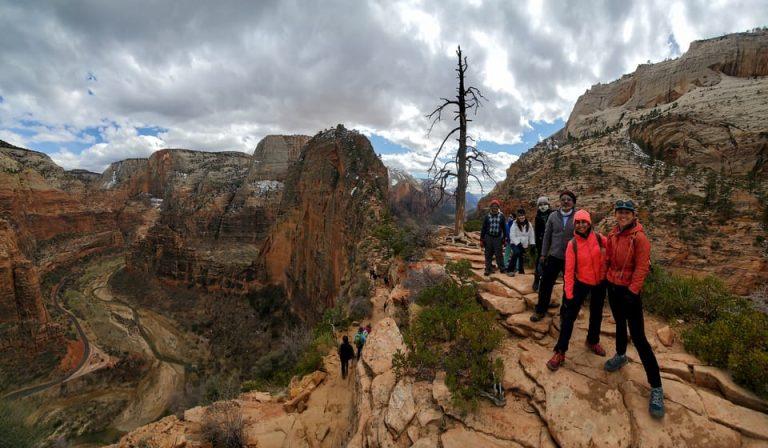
(102, 392)
(581, 405)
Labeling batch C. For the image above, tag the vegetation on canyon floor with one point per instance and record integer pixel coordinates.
(14, 431)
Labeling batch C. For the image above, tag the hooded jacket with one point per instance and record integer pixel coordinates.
(629, 257)
(585, 263)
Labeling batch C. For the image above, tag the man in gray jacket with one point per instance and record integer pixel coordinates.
(557, 233)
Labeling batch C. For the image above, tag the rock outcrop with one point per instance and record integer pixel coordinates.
(687, 140)
(24, 320)
(333, 197)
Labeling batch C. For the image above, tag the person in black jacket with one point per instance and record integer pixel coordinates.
(346, 352)
(540, 223)
(493, 236)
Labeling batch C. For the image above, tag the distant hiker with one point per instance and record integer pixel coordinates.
(542, 214)
(367, 331)
(346, 352)
(521, 236)
(360, 337)
(629, 261)
(493, 235)
(557, 232)
(584, 275)
(373, 274)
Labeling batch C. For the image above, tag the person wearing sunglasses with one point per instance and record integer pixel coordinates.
(557, 233)
(584, 276)
(629, 261)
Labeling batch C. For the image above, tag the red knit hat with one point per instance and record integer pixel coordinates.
(496, 202)
(582, 215)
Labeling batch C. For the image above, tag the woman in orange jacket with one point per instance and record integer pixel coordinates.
(584, 275)
(629, 261)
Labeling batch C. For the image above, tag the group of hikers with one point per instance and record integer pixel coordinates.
(592, 264)
(347, 353)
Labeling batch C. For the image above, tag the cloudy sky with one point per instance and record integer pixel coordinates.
(94, 81)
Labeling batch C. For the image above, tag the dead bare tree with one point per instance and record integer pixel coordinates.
(460, 166)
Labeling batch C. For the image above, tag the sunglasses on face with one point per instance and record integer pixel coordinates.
(625, 203)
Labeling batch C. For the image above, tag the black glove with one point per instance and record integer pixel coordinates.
(631, 296)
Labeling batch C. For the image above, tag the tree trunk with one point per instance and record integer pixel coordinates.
(462, 175)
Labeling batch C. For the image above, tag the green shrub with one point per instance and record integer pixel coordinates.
(14, 432)
(453, 333)
(473, 225)
(691, 299)
(722, 329)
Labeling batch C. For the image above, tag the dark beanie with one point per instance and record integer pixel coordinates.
(569, 193)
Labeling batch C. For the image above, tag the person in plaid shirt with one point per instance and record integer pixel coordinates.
(493, 236)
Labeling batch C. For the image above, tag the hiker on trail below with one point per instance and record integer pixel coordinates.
(493, 236)
(557, 233)
(539, 224)
(521, 236)
(360, 337)
(346, 352)
(584, 275)
(629, 261)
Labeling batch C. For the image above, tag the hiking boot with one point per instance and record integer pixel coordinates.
(511, 273)
(656, 403)
(616, 362)
(596, 349)
(557, 360)
(487, 273)
(535, 317)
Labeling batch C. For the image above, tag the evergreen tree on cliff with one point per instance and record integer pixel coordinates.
(458, 168)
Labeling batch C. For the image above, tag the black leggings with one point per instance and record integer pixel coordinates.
(552, 268)
(569, 311)
(627, 310)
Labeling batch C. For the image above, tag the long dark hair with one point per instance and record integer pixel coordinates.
(520, 226)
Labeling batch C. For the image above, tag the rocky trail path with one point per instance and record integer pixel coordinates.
(581, 405)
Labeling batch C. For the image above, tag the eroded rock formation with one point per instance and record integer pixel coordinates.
(334, 195)
(687, 139)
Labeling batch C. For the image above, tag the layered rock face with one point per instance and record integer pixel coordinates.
(333, 197)
(212, 210)
(189, 239)
(45, 223)
(24, 320)
(687, 139)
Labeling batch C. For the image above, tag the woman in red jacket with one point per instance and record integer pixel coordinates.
(584, 275)
(629, 261)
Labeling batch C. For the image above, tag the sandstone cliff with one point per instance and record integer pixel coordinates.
(334, 195)
(685, 138)
(46, 223)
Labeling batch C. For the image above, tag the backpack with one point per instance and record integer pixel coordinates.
(359, 339)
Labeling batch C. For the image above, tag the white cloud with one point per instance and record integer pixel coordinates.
(221, 76)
